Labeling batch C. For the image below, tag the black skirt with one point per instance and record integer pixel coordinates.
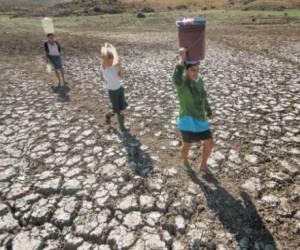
(191, 137)
(117, 99)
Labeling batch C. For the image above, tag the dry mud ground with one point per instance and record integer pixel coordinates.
(69, 182)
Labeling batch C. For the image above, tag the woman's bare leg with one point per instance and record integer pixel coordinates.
(121, 120)
(207, 149)
(63, 75)
(58, 76)
(185, 149)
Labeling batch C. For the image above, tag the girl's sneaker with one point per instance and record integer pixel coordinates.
(203, 170)
(108, 117)
(121, 121)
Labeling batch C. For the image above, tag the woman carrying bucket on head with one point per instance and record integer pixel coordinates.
(53, 51)
(194, 107)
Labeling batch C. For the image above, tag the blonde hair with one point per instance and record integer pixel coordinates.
(108, 51)
(107, 54)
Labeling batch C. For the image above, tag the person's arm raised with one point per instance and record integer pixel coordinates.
(178, 73)
(46, 52)
(120, 69)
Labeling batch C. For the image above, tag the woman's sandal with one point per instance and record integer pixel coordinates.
(184, 168)
(202, 170)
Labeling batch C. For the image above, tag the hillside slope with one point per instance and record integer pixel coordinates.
(30, 2)
(94, 7)
(158, 3)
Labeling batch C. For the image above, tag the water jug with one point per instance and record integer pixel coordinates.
(191, 35)
(48, 26)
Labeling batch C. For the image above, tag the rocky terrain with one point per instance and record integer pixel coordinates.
(67, 181)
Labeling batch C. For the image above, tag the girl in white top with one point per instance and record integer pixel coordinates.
(113, 76)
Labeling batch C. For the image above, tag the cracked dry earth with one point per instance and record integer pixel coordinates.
(68, 182)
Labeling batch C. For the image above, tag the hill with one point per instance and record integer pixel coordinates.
(29, 2)
(95, 7)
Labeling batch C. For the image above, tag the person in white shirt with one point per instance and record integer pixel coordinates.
(113, 76)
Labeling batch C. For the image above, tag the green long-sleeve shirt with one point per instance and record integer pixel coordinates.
(192, 95)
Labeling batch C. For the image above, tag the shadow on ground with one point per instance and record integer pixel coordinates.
(138, 159)
(241, 220)
(62, 93)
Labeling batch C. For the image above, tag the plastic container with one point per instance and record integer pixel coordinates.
(191, 35)
(48, 68)
(110, 48)
(48, 26)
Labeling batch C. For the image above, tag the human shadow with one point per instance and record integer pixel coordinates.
(138, 159)
(62, 92)
(239, 217)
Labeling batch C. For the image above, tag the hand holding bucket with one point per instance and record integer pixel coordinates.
(182, 54)
(48, 68)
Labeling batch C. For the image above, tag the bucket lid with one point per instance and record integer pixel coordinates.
(191, 21)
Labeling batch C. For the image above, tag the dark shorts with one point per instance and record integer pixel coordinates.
(56, 62)
(191, 137)
(117, 99)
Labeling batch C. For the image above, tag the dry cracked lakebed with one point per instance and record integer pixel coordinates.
(68, 182)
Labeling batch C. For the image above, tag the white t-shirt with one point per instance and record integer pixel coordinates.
(111, 76)
(53, 49)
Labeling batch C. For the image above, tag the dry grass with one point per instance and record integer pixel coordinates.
(173, 3)
(161, 4)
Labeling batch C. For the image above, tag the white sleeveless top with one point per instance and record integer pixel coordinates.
(53, 49)
(111, 76)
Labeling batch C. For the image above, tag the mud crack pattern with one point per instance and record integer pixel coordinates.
(68, 182)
